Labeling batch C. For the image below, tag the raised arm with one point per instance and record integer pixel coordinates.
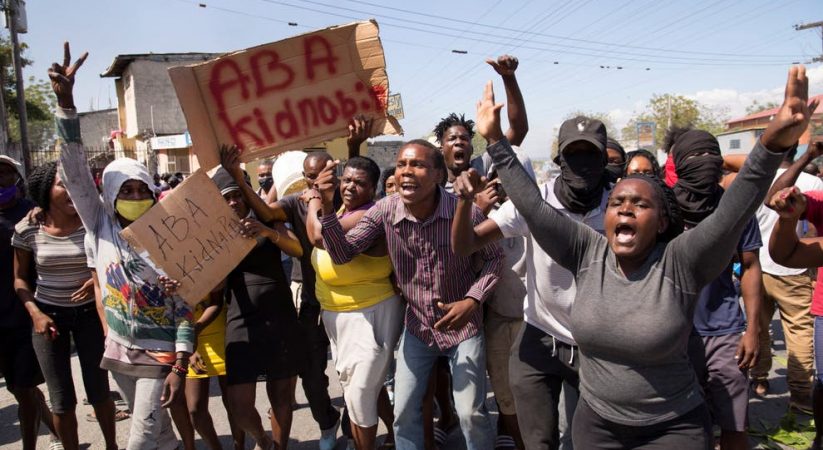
(360, 128)
(506, 65)
(564, 239)
(467, 238)
(74, 168)
(785, 247)
(789, 177)
(710, 245)
(267, 212)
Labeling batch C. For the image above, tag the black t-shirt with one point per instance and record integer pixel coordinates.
(12, 313)
(296, 212)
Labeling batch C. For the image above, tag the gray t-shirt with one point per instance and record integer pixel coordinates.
(633, 331)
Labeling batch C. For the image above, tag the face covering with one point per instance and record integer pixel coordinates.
(265, 182)
(131, 210)
(580, 184)
(699, 168)
(8, 194)
(615, 171)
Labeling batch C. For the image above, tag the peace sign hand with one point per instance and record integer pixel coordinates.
(62, 77)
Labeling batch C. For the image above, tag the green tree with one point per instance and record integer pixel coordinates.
(40, 102)
(682, 111)
(756, 107)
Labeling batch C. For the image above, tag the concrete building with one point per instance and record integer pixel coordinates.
(148, 111)
(742, 133)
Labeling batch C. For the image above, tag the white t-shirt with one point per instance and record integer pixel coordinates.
(767, 218)
(550, 289)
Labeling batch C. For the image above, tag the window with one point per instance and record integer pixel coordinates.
(734, 144)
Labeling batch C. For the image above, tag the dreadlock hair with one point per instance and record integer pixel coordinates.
(668, 204)
(645, 154)
(450, 121)
(40, 182)
(672, 134)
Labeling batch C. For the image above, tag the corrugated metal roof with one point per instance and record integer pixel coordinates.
(122, 61)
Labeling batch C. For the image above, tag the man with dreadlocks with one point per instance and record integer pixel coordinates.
(719, 354)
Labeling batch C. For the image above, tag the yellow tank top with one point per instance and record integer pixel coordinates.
(360, 283)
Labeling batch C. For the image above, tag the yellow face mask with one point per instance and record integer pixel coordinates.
(131, 210)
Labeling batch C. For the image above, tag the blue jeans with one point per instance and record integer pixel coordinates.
(468, 368)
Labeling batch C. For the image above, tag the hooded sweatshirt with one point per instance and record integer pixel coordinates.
(146, 326)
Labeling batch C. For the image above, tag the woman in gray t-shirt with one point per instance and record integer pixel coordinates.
(636, 292)
(60, 301)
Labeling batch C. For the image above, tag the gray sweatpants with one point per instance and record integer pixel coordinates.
(150, 423)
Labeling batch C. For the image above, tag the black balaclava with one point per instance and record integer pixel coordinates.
(582, 179)
(615, 170)
(697, 189)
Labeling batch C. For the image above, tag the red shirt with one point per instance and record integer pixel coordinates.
(814, 214)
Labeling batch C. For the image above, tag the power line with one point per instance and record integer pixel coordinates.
(554, 36)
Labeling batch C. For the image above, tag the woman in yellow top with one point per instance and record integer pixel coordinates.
(209, 360)
(362, 313)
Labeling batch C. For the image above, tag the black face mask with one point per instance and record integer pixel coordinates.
(615, 171)
(697, 188)
(265, 182)
(582, 179)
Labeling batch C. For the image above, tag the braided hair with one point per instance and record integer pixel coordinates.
(40, 182)
(668, 203)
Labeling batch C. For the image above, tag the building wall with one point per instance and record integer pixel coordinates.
(96, 126)
(384, 153)
(740, 142)
(149, 93)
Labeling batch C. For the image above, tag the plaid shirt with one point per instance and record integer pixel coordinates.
(426, 269)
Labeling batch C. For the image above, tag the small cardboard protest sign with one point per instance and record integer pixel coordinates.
(286, 95)
(192, 235)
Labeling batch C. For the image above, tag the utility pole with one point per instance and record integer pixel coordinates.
(11, 20)
(813, 25)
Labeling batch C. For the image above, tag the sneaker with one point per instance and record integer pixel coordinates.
(55, 444)
(328, 438)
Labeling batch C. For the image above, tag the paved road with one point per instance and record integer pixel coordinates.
(305, 433)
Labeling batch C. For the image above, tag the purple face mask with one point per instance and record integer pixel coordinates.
(8, 194)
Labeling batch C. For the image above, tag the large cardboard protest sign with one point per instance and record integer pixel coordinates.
(192, 235)
(286, 95)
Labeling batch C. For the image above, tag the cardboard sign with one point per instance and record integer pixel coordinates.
(192, 235)
(286, 95)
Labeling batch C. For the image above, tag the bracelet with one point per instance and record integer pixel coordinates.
(179, 370)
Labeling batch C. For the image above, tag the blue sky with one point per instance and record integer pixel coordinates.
(724, 53)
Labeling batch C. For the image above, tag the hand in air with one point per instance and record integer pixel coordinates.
(792, 119)
(62, 77)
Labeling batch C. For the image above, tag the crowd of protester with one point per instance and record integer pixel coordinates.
(604, 305)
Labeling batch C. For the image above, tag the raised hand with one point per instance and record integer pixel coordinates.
(230, 160)
(360, 129)
(488, 196)
(788, 203)
(487, 119)
(468, 184)
(792, 119)
(505, 65)
(62, 77)
(326, 182)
